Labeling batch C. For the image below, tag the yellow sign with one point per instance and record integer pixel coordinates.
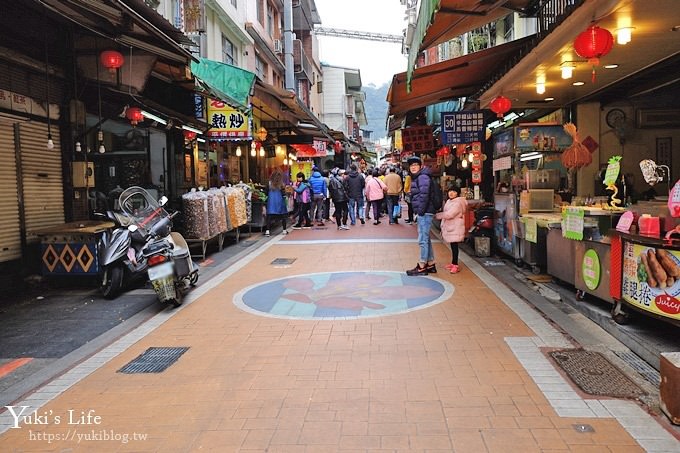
(398, 144)
(304, 167)
(226, 122)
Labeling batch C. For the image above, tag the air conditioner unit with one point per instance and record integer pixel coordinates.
(278, 46)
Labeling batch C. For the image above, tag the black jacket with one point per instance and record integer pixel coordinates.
(355, 185)
(337, 189)
(421, 198)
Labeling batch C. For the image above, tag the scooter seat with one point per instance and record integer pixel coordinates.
(179, 251)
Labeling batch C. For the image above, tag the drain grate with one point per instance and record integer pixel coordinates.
(595, 375)
(154, 360)
(283, 261)
(645, 369)
(246, 243)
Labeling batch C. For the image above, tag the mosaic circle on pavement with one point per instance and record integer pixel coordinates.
(342, 295)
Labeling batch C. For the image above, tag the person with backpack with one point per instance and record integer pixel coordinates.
(303, 196)
(425, 205)
(337, 187)
(319, 191)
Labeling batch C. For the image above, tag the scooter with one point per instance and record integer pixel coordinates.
(169, 266)
(483, 224)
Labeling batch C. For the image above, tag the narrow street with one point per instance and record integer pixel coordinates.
(317, 341)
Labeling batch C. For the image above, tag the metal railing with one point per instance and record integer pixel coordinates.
(552, 12)
(301, 63)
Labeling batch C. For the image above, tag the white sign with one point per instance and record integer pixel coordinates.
(19, 103)
(504, 163)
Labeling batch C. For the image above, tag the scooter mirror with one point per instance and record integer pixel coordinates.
(132, 228)
(163, 200)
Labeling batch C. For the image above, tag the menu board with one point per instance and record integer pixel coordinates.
(539, 137)
(572, 223)
(651, 279)
(417, 139)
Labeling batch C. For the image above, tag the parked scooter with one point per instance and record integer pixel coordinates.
(120, 254)
(170, 268)
(483, 224)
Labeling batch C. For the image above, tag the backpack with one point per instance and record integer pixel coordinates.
(436, 195)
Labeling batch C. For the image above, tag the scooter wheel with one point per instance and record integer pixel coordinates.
(176, 303)
(193, 279)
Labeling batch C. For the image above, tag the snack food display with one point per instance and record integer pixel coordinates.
(658, 268)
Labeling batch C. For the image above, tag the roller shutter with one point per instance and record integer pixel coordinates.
(42, 178)
(10, 234)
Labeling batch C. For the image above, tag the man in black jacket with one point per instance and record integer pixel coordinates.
(338, 192)
(355, 190)
(423, 206)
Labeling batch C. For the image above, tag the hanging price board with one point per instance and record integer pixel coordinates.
(572, 223)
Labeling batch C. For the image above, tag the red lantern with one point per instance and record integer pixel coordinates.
(111, 60)
(189, 135)
(500, 106)
(593, 44)
(134, 114)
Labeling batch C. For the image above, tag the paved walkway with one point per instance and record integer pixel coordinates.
(456, 364)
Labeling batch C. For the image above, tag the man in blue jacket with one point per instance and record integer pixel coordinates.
(319, 189)
(423, 207)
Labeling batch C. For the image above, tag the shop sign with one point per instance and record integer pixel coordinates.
(644, 269)
(590, 269)
(304, 167)
(417, 139)
(462, 127)
(530, 230)
(540, 137)
(16, 102)
(227, 122)
(572, 223)
(318, 149)
(504, 163)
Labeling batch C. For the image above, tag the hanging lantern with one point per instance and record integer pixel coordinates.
(111, 60)
(261, 134)
(134, 114)
(500, 106)
(594, 43)
(189, 135)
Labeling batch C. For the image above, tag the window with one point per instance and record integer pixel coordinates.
(260, 12)
(270, 20)
(260, 69)
(234, 3)
(228, 51)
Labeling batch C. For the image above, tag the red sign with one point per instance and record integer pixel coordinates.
(667, 304)
(417, 139)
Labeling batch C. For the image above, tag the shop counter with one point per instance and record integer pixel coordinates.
(645, 275)
(71, 248)
(591, 268)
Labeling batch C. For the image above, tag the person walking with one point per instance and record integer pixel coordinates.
(453, 225)
(319, 188)
(303, 196)
(355, 191)
(423, 206)
(375, 193)
(393, 183)
(327, 199)
(276, 203)
(338, 193)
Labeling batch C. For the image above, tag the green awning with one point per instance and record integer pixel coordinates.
(228, 83)
(428, 8)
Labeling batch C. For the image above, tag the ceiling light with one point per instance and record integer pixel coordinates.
(200, 140)
(510, 116)
(534, 157)
(578, 84)
(611, 66)
(153, 117)
(567, 69)
(238, 151)
(192, 129)
(624, 35)
(549, 99)
(540, 84)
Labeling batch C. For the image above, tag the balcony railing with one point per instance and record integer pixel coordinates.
(302, 65)
(552, 12)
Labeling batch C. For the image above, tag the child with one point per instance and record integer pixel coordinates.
(453, 224)
(303, 195)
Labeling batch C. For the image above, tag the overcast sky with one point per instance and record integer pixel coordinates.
(377, 61)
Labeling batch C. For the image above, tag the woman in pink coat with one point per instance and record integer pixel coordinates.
(453, 225)
(375, 192)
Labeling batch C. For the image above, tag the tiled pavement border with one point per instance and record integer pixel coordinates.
(560, 394)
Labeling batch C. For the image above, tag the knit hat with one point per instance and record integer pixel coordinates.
(334, 171)
(414, 160)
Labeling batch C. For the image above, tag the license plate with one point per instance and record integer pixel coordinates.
(160, 271)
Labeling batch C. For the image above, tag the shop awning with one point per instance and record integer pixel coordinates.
(455, 78)
(442, 20)
(225, 82)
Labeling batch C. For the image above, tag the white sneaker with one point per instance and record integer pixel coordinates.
(344, 227)
(266, 233)
(284, 232)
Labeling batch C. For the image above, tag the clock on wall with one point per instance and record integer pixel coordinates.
(615, 117)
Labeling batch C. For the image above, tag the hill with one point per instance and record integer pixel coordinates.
(376, 110)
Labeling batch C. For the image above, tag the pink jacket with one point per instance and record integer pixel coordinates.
(453, 220)
(374, 189)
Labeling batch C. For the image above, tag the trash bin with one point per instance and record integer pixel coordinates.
(482, 246)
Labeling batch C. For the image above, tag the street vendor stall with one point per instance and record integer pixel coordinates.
(71, 248)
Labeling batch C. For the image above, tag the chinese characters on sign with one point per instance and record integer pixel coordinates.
(572, 223)
(417, 139)
(462, 127)
(225, 122)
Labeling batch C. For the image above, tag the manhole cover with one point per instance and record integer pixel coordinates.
(283, 261)
(154, 360)
(596, 375)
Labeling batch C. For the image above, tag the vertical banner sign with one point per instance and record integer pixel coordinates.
(476, 162)
(590, 268)
(462, 127)
(644, 268)
(530, 229)
(572, 223)
(226, 122)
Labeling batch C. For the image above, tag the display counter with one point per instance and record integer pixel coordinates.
(592, 269)
(645, 275)
(71, 248)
